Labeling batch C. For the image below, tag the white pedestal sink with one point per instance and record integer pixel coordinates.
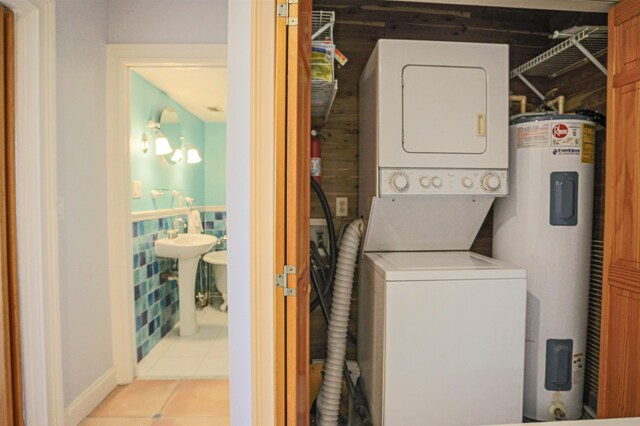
(187, 248)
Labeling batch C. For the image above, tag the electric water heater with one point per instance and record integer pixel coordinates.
(544, 225)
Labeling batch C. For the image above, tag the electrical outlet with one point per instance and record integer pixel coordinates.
(342, 206)
(319, 231)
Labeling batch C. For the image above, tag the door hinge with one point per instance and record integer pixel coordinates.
(283, 12)
(281, 280)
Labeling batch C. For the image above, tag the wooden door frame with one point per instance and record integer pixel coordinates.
(36, 205)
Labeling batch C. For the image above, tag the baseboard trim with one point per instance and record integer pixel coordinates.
(88, 400)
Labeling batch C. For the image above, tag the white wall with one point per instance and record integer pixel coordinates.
(238, 205)
(167, 21)
(83, 29)
(84, 291)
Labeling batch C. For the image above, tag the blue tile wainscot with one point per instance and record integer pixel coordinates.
(156, 297)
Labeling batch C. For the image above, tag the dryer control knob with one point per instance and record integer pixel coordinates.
(491, 182)
(467, 182)
(399, 182)
(436, 181)
(425, 182)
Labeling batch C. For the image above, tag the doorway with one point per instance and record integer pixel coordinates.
(178, 173)
(122, 60)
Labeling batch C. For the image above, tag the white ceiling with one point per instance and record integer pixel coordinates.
(196, 89)
(575, 5)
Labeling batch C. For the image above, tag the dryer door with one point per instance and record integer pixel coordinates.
(444, 110)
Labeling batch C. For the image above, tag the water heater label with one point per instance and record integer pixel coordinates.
(566, 134)
(566, 151)
(533, 135)
(588, 143)
(578, 368)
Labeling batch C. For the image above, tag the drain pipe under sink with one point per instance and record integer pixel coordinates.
(329, 398)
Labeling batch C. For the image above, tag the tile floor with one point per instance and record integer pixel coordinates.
(205, 355)
(164, 403)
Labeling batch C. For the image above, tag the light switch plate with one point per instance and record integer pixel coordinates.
(137, 189)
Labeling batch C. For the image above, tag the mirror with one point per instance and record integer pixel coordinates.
(172, 129)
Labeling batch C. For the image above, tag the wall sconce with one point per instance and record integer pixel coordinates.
(162, 143)
(144, 143)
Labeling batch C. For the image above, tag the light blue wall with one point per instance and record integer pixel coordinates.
(147, 103)
(215, 164)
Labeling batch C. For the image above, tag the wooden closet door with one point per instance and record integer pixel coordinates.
(619, 389)
(11, 404)
(293, 129)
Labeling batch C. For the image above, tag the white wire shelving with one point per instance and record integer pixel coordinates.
(580, 45)
(323, 92)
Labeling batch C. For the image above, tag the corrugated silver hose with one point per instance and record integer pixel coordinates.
(329, 398)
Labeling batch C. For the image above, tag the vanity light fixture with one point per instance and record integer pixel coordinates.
(162, 143)
(193, 156)
(177, 155)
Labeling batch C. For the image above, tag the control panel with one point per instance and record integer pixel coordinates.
(443, 182)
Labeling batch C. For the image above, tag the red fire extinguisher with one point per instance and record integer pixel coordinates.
(316, 161)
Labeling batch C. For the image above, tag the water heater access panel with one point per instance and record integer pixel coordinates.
(439, 104)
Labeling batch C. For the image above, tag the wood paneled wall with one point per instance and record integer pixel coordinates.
(359, 24)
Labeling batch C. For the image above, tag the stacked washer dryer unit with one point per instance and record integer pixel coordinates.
(545, 226)
(441, 329)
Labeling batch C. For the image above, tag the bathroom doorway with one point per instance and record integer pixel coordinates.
(161, 105)
(177, 130)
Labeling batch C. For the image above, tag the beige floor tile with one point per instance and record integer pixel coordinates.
(142, 398)
(199, 398)
(174, 368)
(213, 367)
(116, 421)
(192, 421)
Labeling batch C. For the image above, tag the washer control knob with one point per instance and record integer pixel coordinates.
(436, 181)
(425, 182)
(399, 181)
(491, 182)
(467, 182)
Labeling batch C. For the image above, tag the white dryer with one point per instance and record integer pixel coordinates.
(441, 338)
(433, 142)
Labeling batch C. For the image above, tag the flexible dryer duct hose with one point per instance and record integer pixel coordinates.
(329, 397)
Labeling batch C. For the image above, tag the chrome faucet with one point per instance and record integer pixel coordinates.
(172, 233)
(220, 240)
(178, 224)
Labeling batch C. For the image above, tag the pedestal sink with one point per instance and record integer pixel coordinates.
(187, 248)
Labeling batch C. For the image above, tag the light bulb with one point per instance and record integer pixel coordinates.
(162, 145)
(177, 155)
(193, 156)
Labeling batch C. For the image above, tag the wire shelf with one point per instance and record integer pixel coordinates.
(323, 91)
(322, 23)
(322, 95)
(568, 54)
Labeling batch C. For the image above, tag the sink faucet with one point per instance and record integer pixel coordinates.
(178, 224)
(172, 233)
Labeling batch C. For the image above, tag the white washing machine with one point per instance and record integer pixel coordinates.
(441, 338)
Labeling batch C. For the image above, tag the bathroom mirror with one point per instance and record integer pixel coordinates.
(170, 126)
